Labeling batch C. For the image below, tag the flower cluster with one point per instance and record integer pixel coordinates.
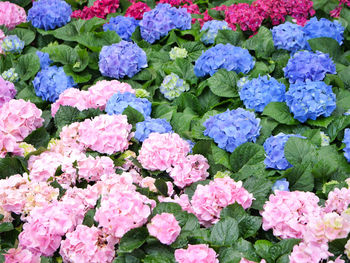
(232, 128)
(21, 255)
(274, 148)
(12, 44)
(160, 20)
(50, 82)
(11, 15)
(208, 200)
(7, 91)
(149, 125)
(136, 10)
(227, 56)
(259, 92)
(92, 169)
(196, 254)
(346, 141)
(122, 59)
(310, 100)
(120, 101)
(211, 29)
(123, 26)
(290, 37)
(100, 8)
(165, 228)
(49, 14)
(191, 169)
(281, 185)
(177, 52)
(307, 65)
(172, 86)
(162, 151)
(10, 75)
(44, 59)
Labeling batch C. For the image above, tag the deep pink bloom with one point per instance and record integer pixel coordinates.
(136, 10)
(196, 254)
(164, 227)
(100, 8)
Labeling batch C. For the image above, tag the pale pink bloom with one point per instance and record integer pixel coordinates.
(162, 151)
(164, 227)
(191, 169)
(243, 260)
(19, 118)
(13, 192)
(2, 36)
(7, 89)
(310, 252)
(16, 255)
(71, 97)
(9, 144)
(208, 200)
(170, 188)
(115, 183)
(69, 140)
(87, 245)
(347, 249)
(148, 182)
(338, 200)
(87, 196)
(105, 133)
(182, 200)
(196, 254)
(287, 213)
(337, 260)
(91, 169)
(11, 15)
(6, 214)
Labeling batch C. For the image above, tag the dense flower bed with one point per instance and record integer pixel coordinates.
(174, 131)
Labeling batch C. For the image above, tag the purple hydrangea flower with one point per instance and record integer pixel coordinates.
(122, 59)
(149, 125)
(346, 141)
(211, 29)
(122, 25)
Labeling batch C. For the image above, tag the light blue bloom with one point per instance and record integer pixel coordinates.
(10, 75)
(122, 25)
(211, 29)
(346, 141)
(12, 44)
(281, 185)
(44, 59)
(149, 125)
(172, 86)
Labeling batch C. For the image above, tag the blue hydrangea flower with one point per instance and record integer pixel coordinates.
(274, 148)
(191, 143)
(149, 125)
(307, 65)
(232, 128)
(44, 59)
(12, 44)
(120, 101)
(290, 37)
(223, 56)
(346, 141)
(310, 100)
(281, 185)
(50, 82)
(10, 75)
(212, 28)
(122, 59)
(172, 86)
(259, 92)
(324, 28)
(158, 22)
(49, 14)
(122, 25)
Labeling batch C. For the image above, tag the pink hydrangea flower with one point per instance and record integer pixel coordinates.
(2, 36)
(148, 182)
(9, 144)
(243, 260)
(288, 213)
(181, 200)
(87, 245)
(91, 169)
(347, 249)
(337, 260)
(87, 196)
(208, 200)
(196, 254)
(192, 169)
(7, 90)
(338, 200)
(13, 191)
(11, 15)
(115, 183)
(69, 140)
(162, 151)
(122, 211)
(310, 252)
(19, 118)
(15, 255)
(164, 227)
(136, 10)
(105, 133)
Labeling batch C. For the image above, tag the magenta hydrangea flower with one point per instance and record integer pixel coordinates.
(165, 228)
(196, 254)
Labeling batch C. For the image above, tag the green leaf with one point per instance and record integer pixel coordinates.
(134, 116)
(246, 154)
(82, 59)
(65, 116)
(10, 166)
(95, 41)
(224, 233)
(279, 111)
(227, 36)
(181, 122)
(260, 188)
(28, 94)
(133, 239)
(161, 186)
(5, 227)
(285, 246)
(24, 34)
(344, 75)
(62, 53)
(321, 122)
(164, 111)
(27, 66)
(82, 77)
(343, 101)
(337, 126)
(38, 138)
(220, 156)
(249, 226)
(298, 150)
(181, 67)
(89, 218)
(194, 49)
(262, 248)
(300, 177)
(188, 100)
(223, 83)
(165, 207)
(192, 188)
(262, 43)
(326, 45)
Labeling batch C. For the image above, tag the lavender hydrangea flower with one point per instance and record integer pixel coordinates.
(259, 92)
(306, 65)
(122, 59)
(120, 101)
(232, 128)
(44, 59)
(274, 148)
(324, 28)
(12, 44)
(159, 21)
(149, 125)
(290, 37)
(211, 29)
(172, 86)
(49, 14)
(281, 185)
(122, 25)
(223, 56)
(50, 82)
(346, 141)
(310, 100)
